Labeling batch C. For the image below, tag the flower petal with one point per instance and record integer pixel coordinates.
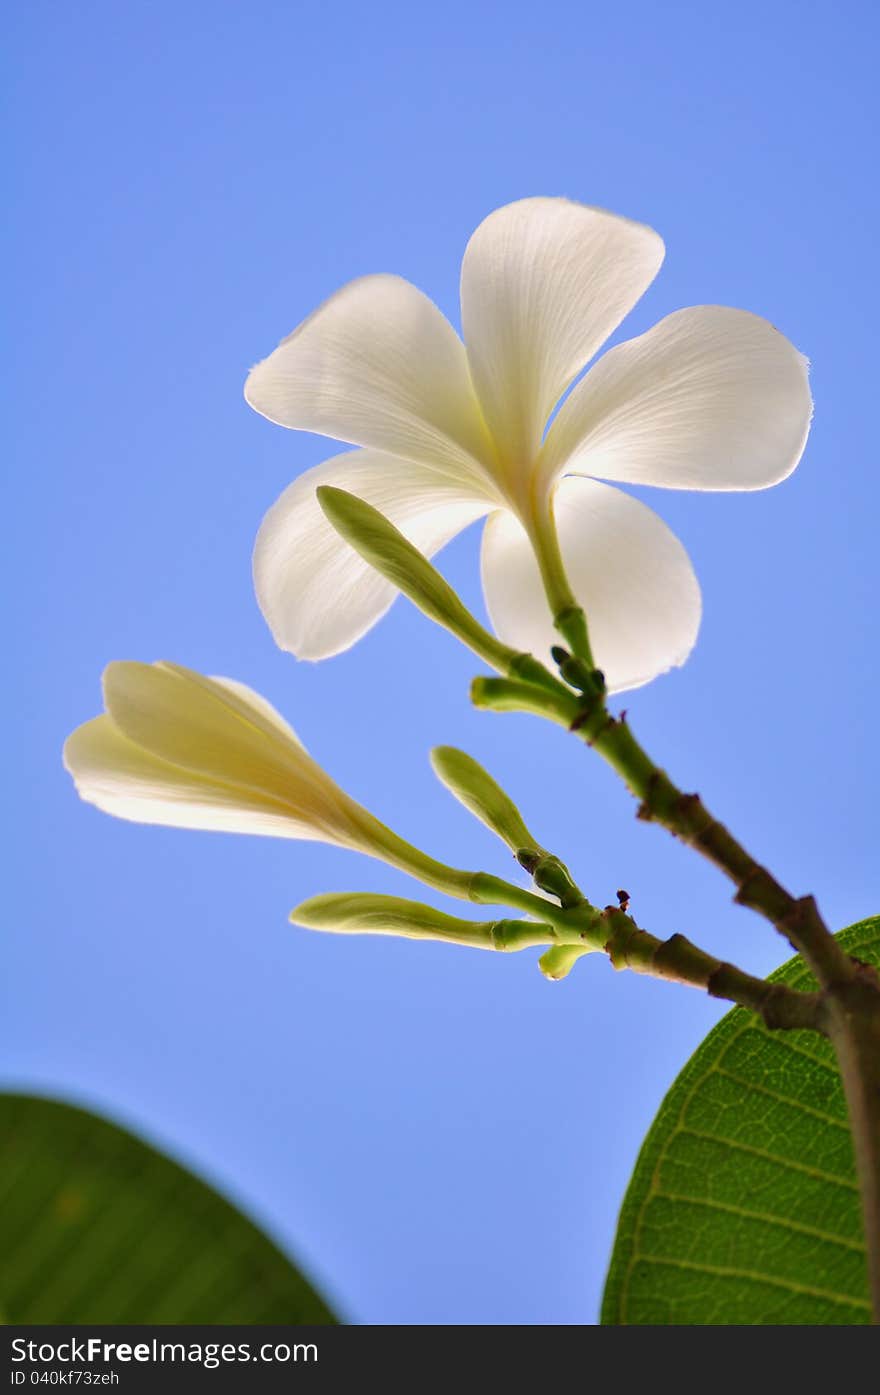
(252, 706)
(629, 572)
(317, 594)
(710, 398)
(377, 365)
(206, 728)
(543, 283)
(122, 779)
(174, 735)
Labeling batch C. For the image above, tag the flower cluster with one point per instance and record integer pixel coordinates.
(449, 430)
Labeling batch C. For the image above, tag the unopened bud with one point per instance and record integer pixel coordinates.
(363, 913)
(475, 788)
(558, 962)
(551, 875)
(393, 556)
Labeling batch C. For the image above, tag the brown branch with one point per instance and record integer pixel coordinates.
(687, 818)
(680, 961)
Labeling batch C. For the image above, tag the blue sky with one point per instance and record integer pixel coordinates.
(440, 1135)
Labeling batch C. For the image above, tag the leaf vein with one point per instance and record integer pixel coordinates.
(723, 1272)
(789, 1100)
(766, 1217)
(835, 1179)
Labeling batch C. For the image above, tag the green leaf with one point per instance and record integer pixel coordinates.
(744, 1207)
(98, 1227)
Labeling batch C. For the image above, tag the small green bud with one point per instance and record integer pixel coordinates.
(510, 695)
(551, 875)
(481, 795)
(572, 625)
(363, 913)
(527, 667)
(588, 680)
(558, 962)
(386, 549)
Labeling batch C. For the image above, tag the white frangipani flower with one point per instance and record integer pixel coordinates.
(710, 398)
(177, 748)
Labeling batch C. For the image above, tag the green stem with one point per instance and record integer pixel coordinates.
(382, 842)
(578, 924)
(488, 890)
(511, 695)
(849, 992)
(585, 927)
(568, 615)
(847, 1008)
(686, 817)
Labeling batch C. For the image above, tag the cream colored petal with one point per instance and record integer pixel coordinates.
(122, 779)
(317, 594)
(543, 283)
(627, 569)
(710, 398)
(378, 365)
(178, 748)
(224, 739)
(251, 705)
(190, 721)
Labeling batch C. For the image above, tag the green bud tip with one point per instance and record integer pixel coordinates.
(480, 794)
(393, 556)
(552, 875)
(558, 962)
